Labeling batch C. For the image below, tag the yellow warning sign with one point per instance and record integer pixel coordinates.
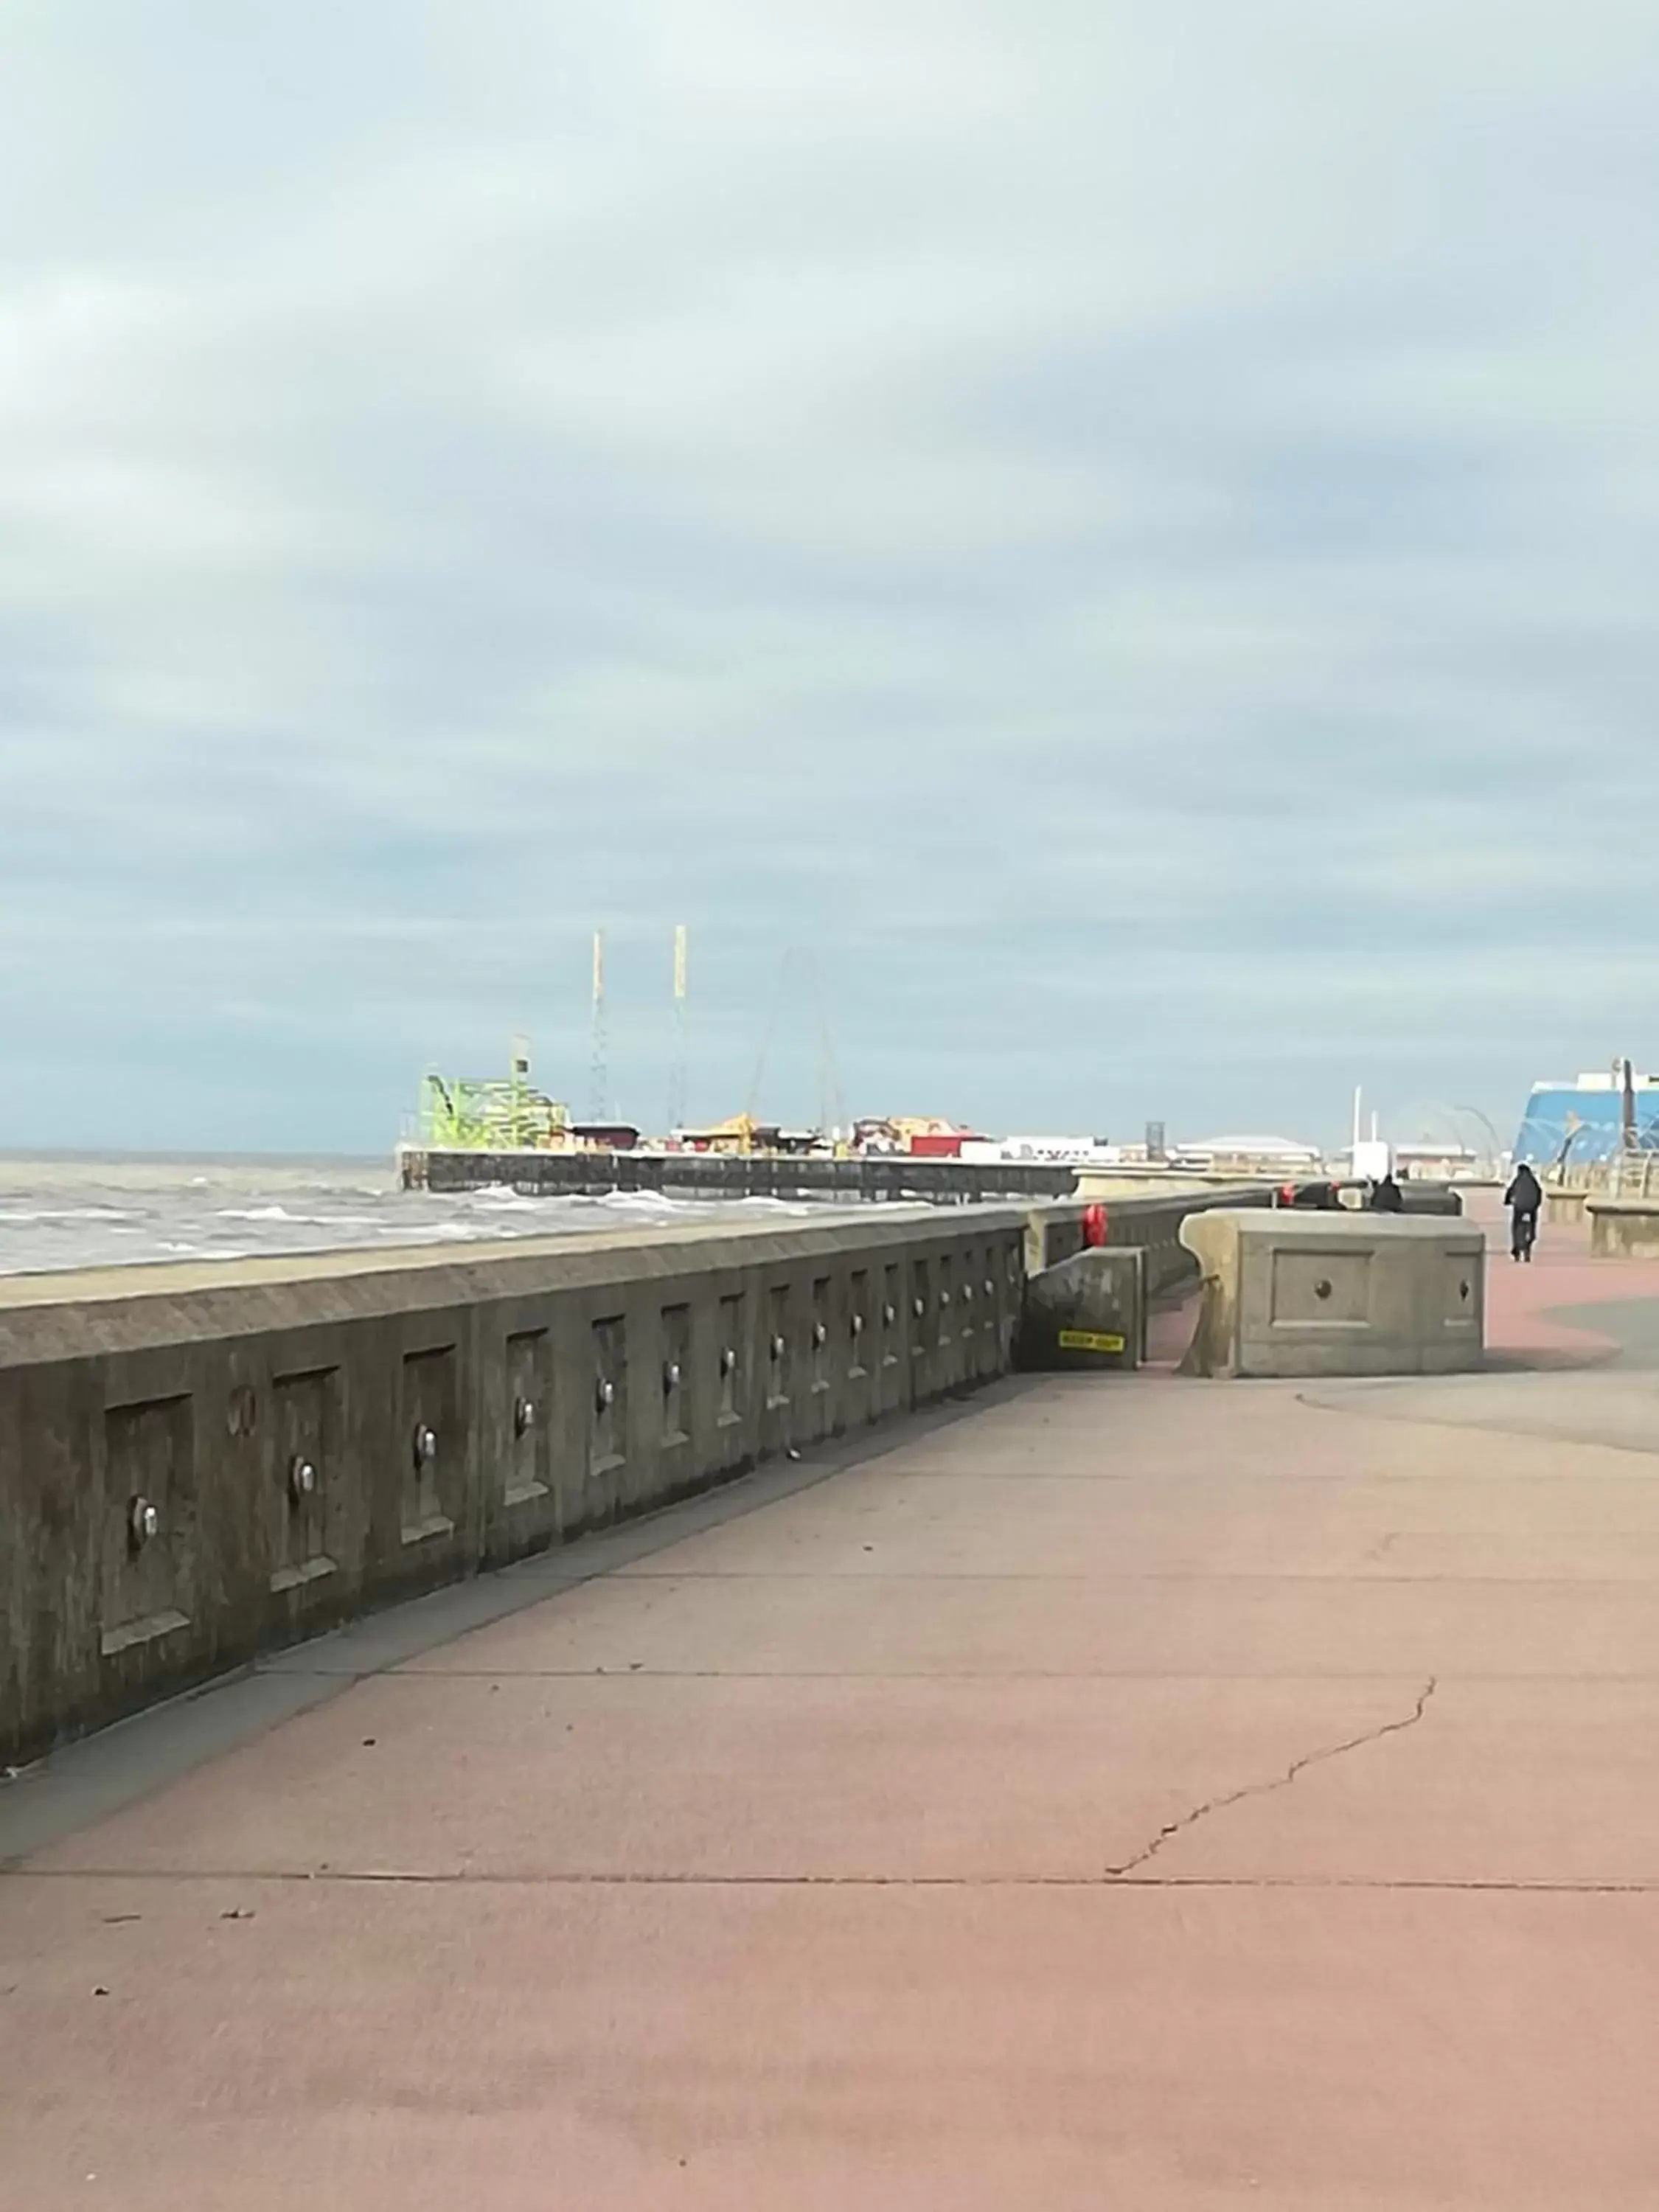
(1088, 1340)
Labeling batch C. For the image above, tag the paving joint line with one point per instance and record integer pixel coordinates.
(1175, 1574)
(413, 1671)
(406, 1878)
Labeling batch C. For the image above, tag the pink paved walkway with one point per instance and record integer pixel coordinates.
(1560, 1275)
(1142, 1794)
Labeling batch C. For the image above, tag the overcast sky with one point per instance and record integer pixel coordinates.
(1123, 538)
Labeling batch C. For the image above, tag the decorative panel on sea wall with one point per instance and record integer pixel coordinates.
(1461, 1287)
(1323, 1288)
(526, 1473)
(858, 1324)
(306, 1422)
(149, 1523)
(675, 1374)
(777, 1345)
(823, 1358)
(609, 1446)
(434, 1448)
(733, 1359)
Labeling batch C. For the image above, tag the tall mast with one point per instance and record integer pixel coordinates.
(598, 1098)
(678, 1079)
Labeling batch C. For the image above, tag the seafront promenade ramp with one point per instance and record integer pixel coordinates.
(1100, 1791)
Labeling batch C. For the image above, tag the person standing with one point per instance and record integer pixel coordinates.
(1387, 1197)
(1525, 1199)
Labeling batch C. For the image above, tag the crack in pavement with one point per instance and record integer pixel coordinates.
(1173, 1828)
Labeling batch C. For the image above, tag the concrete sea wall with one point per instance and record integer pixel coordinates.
(201, 1461)
(198, 1462)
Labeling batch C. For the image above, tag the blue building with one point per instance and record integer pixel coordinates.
(1584, 1121)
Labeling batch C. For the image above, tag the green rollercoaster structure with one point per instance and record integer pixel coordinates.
(492, 1113)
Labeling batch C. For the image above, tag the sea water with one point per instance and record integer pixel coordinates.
(100, 1212)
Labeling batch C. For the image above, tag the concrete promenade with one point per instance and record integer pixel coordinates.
(1118, 1793)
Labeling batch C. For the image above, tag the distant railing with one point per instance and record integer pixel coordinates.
(1624, 1174)
(1632, 1176)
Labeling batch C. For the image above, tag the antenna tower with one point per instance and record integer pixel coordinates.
(678, 1079)
(832, 1106)
(598, 1096)
(798, 982)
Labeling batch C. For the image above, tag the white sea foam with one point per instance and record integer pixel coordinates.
(109, 1213)
(86, 1213)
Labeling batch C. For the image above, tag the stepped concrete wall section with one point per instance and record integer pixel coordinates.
(1150, 1225)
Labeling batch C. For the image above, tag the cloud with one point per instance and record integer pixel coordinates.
(1127, 534)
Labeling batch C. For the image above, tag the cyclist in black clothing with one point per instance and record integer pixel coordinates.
(1525, 1199)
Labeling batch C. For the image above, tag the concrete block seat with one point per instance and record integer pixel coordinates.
(1623, 1228)
(1292, 1294)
